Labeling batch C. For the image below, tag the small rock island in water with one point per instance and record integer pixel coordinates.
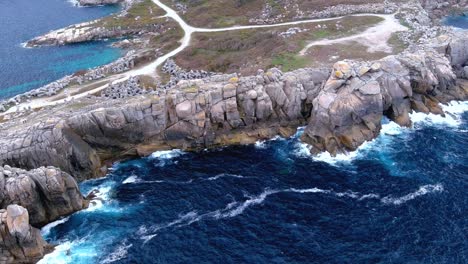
(199, 76)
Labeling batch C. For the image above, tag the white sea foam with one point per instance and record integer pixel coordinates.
(131, 179)
(59, 255)
(423, 190)
(167, 154)
(119, 253)
(235, 208)
(45, 231)
(223, 175)
(452, 116)
(103, 202)
(260, 144)
(388, 129)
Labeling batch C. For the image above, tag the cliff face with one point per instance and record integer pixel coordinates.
(19, 241)
(28, 200)
(350, 108)
(98, 2)
(440, 8)
(47, 193)
(342, 108)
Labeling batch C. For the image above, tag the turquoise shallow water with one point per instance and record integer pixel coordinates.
(23, 69)
(457, 21)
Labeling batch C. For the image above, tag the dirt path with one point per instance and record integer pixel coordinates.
(375, 38)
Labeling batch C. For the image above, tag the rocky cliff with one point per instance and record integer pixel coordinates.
(342, 108)
(98, 2)
(47, 193)
(19, 241)
(29, 200)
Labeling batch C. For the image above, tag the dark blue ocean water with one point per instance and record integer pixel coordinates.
(399, 199)
(24, 69)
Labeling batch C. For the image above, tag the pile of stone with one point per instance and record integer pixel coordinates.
(98, 2)
(177, 74)
(267, 16)
(128, 88)
(291, 32)
(121, 65)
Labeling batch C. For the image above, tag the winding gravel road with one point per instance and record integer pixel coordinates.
(376, 37)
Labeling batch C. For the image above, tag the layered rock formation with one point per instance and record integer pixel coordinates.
(31, 199)
(98, 2)
(89, 31)
(19, 241)
(349, 109)
(47, 193)
(343, 108)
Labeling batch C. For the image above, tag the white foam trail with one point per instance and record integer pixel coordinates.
(240, 208)
(119, 253)
(423, 190)
(59, 255)
(131, 179)
(452, 118)
(311, 190)
(45, 231)
(236, 208)
(222, 175)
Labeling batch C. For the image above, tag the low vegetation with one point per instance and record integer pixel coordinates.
(245, 51)
(222, 13)
(139, 15)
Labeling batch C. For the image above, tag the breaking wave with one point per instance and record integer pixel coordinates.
(452, 117)
(45, 231)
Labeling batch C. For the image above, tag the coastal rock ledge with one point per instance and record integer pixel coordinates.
(28, 201)
(19, 241)
(342, 108)
(98, 2)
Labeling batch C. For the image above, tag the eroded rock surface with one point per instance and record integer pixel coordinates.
(19, 241)
(349, 109)
(98, 2)
(342, 108)
(47, 193)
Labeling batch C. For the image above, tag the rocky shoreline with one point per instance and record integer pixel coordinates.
(30, 200)
(341, 107)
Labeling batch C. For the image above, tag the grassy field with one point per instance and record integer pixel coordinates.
(245, 51)
(222, 13)
(139, 15)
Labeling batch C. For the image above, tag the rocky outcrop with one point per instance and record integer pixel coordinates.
(441, 8)
(47, 193)
(19, 241)
(341, 108)
(89, 31)
(216, 111)
(349, 109)
(98, 2)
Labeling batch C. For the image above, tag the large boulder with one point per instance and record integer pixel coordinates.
(19, 241)
(349, 109)
(47, 193)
